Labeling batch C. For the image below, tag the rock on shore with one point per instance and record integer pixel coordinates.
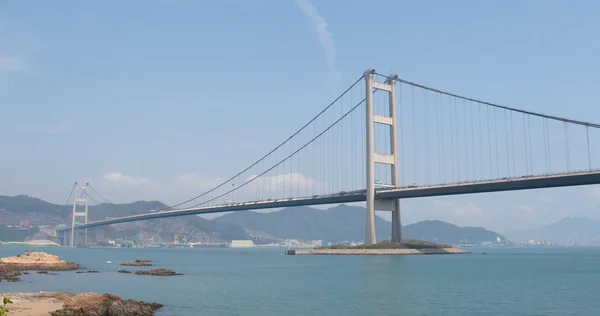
(85, 304)
(105, 305)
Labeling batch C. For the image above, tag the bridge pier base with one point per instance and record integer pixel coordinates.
(396, 223)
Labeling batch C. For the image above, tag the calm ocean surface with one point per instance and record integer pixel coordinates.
(525, 281)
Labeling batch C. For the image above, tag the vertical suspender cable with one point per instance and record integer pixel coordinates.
(440, 156)
(466, 140)
(352, 140)
(472, 140)
(451, 120)
(587, 133)
(443, 134)
(496, 144)
(506, 137)
(480, 139)
(457, 139)
(402, 170)
(412, 134)
(545, 145)
(427, 156)
(489, 141)
(525, 145)
(567, 147)
(529, 147)
(512, 141)
(548, 140)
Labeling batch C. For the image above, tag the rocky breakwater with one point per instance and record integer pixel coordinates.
(409, 247)
(12, 267)
(85, 304)
(379, 251)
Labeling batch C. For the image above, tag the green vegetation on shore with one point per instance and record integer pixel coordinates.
(405, 244)
(3, 310)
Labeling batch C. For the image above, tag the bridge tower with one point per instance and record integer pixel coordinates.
(83, 199)
(373, 158)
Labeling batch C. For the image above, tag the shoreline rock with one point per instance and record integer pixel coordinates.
(105, 305)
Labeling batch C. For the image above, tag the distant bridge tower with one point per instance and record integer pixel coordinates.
(83, 199)
(372, 157)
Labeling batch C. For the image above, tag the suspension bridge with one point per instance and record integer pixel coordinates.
(385, 139)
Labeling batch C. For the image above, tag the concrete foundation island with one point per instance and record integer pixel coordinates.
(371, 252)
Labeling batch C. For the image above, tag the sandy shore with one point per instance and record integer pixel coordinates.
(35, 304)
(377, 251)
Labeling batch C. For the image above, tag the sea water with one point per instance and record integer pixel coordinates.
(503, 281)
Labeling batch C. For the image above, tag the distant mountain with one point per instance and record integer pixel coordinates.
(27, 204)
(100, 211)
(15, 209)
(347, 223)
(567, 231)
(442, 232)
(340, 223)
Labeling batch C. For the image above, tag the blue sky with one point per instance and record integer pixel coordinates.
(158, 99)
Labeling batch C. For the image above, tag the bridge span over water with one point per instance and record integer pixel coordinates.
(387, 194)
(385, 139)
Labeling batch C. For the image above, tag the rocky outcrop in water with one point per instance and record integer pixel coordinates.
(11, 267)
(136, 264)
(10, 276)
(158, 272)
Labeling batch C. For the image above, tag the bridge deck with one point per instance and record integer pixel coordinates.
(356, 196)
(510, 184)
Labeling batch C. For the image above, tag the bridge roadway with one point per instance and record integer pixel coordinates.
(505, 184)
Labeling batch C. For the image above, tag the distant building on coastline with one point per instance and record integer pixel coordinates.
(241, 244)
